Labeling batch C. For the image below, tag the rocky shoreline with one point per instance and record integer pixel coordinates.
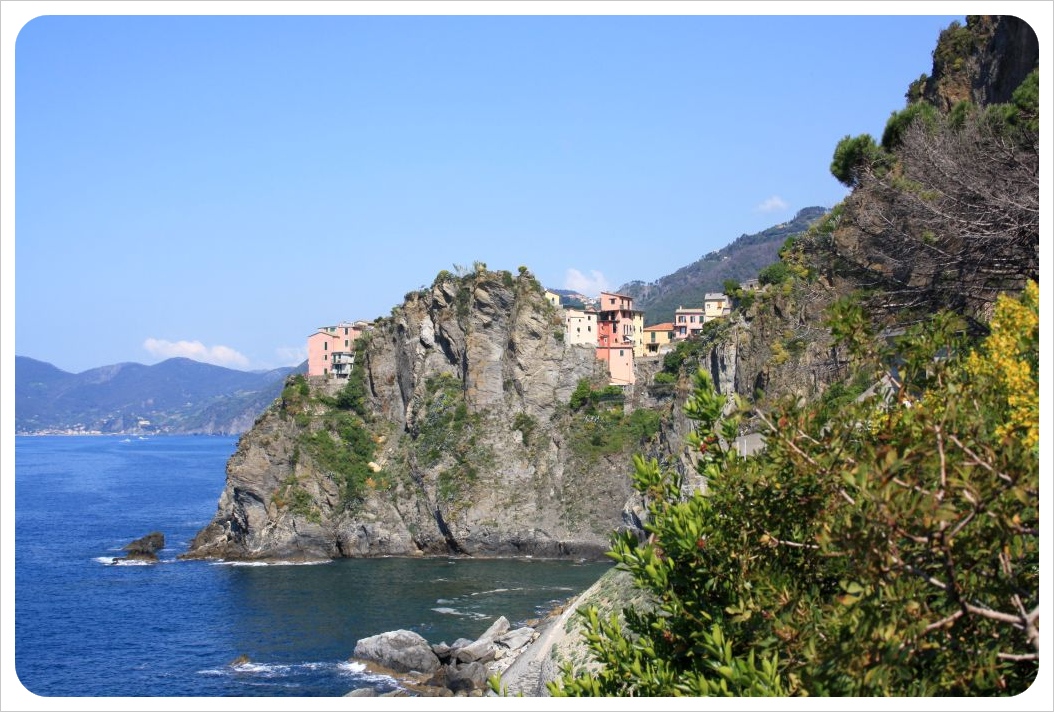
(463, 668)
(524, 662)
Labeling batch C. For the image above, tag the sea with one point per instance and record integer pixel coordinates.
(86, 627)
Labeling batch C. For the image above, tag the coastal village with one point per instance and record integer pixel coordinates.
(609, 324)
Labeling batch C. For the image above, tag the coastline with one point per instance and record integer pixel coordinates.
(523, 672)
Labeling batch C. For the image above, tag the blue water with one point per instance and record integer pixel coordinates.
(87, 628)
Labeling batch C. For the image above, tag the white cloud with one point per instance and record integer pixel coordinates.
(590, 286)
(291, 355)
(216, 355)
(771, 204)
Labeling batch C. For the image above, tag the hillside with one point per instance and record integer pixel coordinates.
(175, 396)
(456, 433)
(885, 540)
(741, 260)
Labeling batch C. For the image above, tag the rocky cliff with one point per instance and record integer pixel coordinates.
(456, 432)
(454, 436)
(944, 215)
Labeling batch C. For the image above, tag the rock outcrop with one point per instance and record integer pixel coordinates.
(982, 62)
(472, 448)
(459, 669)
(399, 650)
(143, 549)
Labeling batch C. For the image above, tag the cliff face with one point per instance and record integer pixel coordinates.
(472, 447)
(948, 220)
(982, 62)
(460, 437)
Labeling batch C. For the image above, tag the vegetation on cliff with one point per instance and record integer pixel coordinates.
(884, 541)
(888, 548)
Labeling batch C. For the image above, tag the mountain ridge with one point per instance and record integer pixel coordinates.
(176, 396)
(739, 260)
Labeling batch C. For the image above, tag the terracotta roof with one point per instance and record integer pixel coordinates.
(665, 326)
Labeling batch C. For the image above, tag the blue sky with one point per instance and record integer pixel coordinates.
(218, 187)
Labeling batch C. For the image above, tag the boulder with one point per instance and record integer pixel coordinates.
(481, 651)
(362, 692)
(144, 548)
(442, 651)
(497, 629)
(466, 678)
(516, 639)
(399, 650)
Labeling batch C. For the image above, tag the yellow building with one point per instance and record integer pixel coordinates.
(657, 336)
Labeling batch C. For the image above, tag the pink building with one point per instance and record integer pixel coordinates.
(620, 364)
(331, 349)
(620, 336)
(688, 321)
(619, 324)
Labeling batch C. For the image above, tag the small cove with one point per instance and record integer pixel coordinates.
(87, 628)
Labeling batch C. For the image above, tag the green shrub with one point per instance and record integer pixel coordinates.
(854, 156)
(775, 273)
(889, 548)
(581, 395)
(899, 121)
(353, 396)
(526, 424)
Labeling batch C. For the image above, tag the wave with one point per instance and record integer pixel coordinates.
(269, 671)
(109, 561)
(445, 610)
(496, 590)
(268, 563)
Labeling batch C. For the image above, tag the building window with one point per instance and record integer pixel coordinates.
(621, 352)
(345, 332)
(325, 357)
(345, 343)
(325, 346)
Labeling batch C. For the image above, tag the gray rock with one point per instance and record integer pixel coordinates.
(516, 639)
(362, 692)
(144, 548)
(466, 677)
(498, 338)
(497, 629)
(399, 650)
(481, 651)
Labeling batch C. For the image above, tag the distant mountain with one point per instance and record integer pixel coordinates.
(175, 396)
(575, 299)
(741, 260)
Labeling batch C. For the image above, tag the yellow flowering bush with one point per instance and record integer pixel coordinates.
(1009, 357)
